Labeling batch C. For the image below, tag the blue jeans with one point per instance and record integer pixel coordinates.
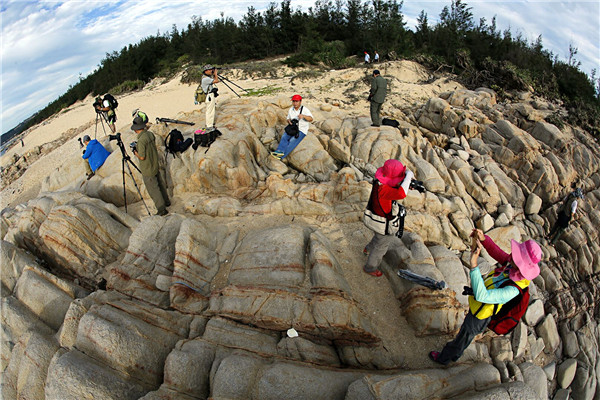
(289, 143)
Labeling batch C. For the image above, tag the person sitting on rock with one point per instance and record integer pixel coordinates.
(565, 213)
(95, 154)
(298, 119)
(490, 293)
(393, 184)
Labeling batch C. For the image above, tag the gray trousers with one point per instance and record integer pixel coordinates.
(375, 110)
(471, 327)
(377, 248)
(157, 189)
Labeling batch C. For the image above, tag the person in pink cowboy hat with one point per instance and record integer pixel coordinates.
(392, 182)
(491, 292)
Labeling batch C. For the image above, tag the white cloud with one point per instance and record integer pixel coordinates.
(45, 45)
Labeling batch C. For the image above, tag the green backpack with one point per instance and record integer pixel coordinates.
(200, 96)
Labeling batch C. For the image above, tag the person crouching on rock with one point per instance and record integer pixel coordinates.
(298, 119)
(490, 294)
(392, 182)
(95, 154)
(146, 152)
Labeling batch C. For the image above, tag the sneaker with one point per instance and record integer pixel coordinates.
(277, 154)
(89, 176)
(164, 212)
(377, 273)
(435, 357)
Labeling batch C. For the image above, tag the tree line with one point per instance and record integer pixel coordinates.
(333, 30)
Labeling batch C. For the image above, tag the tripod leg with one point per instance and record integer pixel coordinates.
(126, 162)
(124, 191)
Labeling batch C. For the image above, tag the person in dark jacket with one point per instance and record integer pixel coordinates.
(95, 154)
(566, 213)
(377, 97)
(393, 184)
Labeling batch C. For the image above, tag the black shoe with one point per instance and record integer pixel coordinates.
(89, 176)
(375, 125)
(168, 204)
(164, 212)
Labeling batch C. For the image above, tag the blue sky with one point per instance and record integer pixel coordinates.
(46, 45)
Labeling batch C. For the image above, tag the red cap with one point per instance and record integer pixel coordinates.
(296, 97)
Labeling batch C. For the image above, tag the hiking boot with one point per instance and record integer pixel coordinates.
(377, 273)
(164, 212)
(89, 176)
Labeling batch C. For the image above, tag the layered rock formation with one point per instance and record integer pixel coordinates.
(254, 289)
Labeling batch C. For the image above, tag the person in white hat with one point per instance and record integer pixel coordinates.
(209, 80)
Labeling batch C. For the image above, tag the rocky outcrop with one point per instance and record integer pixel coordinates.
(255, 290)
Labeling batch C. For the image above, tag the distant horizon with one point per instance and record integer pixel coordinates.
(47, 47)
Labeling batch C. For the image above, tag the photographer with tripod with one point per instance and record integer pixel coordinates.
(209, 79)
(107, 110)
(145, 150)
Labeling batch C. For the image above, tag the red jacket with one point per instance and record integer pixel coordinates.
(382, 197)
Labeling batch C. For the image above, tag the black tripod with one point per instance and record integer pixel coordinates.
(125, 161)
(102, 117)
(225, 80)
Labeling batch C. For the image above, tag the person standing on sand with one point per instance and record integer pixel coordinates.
(367, 58)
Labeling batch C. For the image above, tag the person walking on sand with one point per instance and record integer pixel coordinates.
(392, 182)
(367, 58)
(299, 118)
(376, 57)
(146, 152)
(492, 292)
(95, 154)
(377, 97)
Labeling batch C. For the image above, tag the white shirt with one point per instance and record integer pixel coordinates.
(573, 207)
(303, 124)
(367, 58)
(105, 104)
(207, 83)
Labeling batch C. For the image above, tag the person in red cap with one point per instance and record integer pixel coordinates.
(367, 58)
(298, 119)
(392, 182)
(492, 292)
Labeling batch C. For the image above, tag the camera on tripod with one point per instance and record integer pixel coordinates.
(417, 185)
(215, 91)
(116, 137)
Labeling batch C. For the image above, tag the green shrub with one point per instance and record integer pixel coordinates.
(264, 91)
(127, 86)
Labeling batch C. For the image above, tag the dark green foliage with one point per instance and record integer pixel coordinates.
(335, 33)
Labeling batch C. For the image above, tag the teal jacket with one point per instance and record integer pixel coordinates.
(378, 89)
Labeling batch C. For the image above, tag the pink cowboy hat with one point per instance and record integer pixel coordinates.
(392, 173)
(526, 257)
